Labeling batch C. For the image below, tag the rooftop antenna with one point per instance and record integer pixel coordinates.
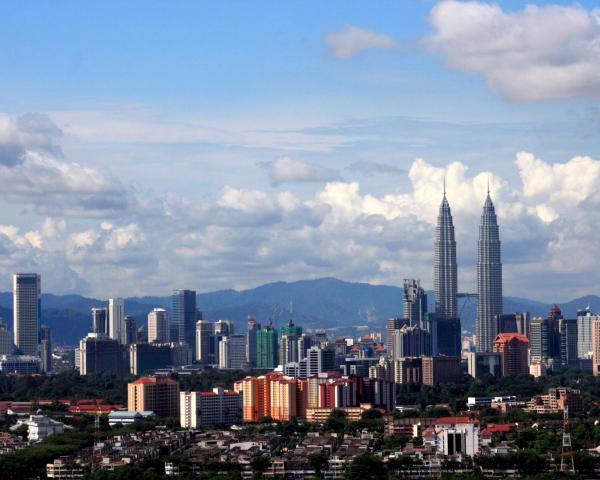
(444, 184)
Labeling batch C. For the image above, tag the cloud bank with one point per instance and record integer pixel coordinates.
(352, 41)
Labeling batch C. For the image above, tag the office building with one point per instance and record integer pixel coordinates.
(445, 334)
(319, 360)
(146, 358)
(489, 278)
(596, 347)
(27, 293)
(205, 345)
(224, 353)
(237, 351)
(5, 340)
(217, 408)
(116, 314)
(484, 363)
(100, 321)
(408, 370)
(19, 364)
(224, 328)
(45, 348)
(454, 436)
(266, 348)
(304, 343)
(584, 332)
(415, 302)
(288, 343)
(99, 353)
(567, 331)
(154, 394)
(507, 323)
(440, 369)
(253, 327)
(129, 330)
(185, 316)
(523, 323)
(392, 324)
(158, 326)
(514, 349)
(411, 341)
(445, 267)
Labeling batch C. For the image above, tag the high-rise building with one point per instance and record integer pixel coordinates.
(237, 350)
(567, 330)
(523, 323)
(411, 341)
(27, 293)
(99, 353)
(441, 369)
(100, 320)
(392, 324)
(513, 347)
(224, 353)
(319, 360)
(445, 267)
(154, 394)
(489, 278)
(596, 347)
(205, 351)
(415, 302)
(218, 408)
(129, 330)
(266, 348)
(541, 341)
(305, 341)
(45, 348)
(116, 315)
(224, 328)
(145, 358)
(253, 327)
(584, 332)
(158, 326)
(484, 363)
(185, 316)
(507, 323)
(445, 335)
(408, 370)
(5, 340)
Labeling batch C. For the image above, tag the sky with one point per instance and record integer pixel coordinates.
(147, 146)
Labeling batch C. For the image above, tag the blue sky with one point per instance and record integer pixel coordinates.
(226, 144)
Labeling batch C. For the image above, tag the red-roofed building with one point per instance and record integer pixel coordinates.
(156, 394)
(514, 348)
(454, 436)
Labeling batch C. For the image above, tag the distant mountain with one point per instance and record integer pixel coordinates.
(323, 303)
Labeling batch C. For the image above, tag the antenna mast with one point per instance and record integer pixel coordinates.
(567, 464)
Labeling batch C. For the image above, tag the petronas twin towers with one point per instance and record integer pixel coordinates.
(489, 272)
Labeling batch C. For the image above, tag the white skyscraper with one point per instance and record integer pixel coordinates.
(445, 268)
(116, 317)
(584, 332)
(158, 326)
(27, 292)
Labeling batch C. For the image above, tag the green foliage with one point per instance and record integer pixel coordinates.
(318, 461)
(336, 422)
(366, 466)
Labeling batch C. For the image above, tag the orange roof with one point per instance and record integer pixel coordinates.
(148, 380)
(507, 337)
(448, 420)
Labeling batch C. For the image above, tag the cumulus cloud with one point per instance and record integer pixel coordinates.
(284, 169)
(34, 171)
(352, 41)
(537, 53)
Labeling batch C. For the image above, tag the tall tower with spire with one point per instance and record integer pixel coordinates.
(489, 278)
(445, 268)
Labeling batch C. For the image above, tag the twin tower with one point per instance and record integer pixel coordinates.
(489, 272)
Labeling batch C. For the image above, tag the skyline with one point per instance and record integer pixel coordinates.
(166, 153)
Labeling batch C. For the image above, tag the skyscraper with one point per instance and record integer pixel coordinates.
(27, 291)
(445, 268)
(266, 348)
(253, 327)
(415, 302)
(5, 340)
(116, 313)
(184, 315)
(158, 326)
(205, 349)
(45, 348)
(129, 330)
(489, 278)
(99, 320)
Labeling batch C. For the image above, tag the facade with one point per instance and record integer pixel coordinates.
(441, 369)
(445, 335)
(27, 309)
(148, 357)
(411, 341)
(514, 349)
(288, 343)
(184, 316)
(489, 278)
(5, 340)
(408, 370)
(266, 348)
(129, 330)
(567, 330)
(596, 347)
(484, 363)
(218, 408)
(45, 348)
(456, 436)
(253, 327)
(224, 328)
(415, 302)
(40, 426)
(445, 267)
(116, 315)
(392, 324)
(155, 394)
(541, 340)
(205, 349)
(158, 326)
(319, 360)
(99, 353)
(100, 320)
(19, 364)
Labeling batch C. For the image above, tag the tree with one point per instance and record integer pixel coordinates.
(260, 464)
(318, 461)
(336, 422)
(366, 467)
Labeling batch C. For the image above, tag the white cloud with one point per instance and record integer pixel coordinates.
(353, 40)
(537, 53)
(284, 169)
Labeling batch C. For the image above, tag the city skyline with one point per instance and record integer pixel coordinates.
(157, 166)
